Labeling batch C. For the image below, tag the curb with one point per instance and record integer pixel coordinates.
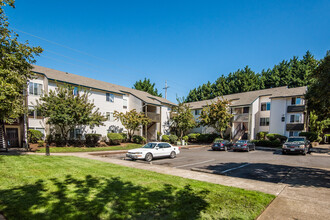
(206, 171)
(107, 152)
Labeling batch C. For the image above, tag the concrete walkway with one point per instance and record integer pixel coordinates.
(292, 202)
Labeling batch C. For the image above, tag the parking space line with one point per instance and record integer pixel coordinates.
(244, 165)
(192, 164)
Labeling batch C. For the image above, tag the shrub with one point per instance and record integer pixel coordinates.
(115, 138)
(165, 138)
(49, 138)
(173, 138)
(206, 138)
(193, 137)
(139, 139)
(273, 137)
(124, 137)
(311, 136)
(158, 135)
(92, 139)
(261, 135)
(34, 136)
(267, 143)
(41, 143)
(185, 138)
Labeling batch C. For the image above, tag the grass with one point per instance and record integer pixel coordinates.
(88, 149)
(40, 187)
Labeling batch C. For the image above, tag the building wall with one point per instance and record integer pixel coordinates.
(254, 116)
(262, 114)
(278, 110)
(165, 117)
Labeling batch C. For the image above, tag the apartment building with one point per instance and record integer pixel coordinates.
(278, 110)
(107, 97)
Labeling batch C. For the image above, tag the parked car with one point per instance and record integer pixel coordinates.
(221, 145)
(244, 145)
(296, 145)
(153, 150)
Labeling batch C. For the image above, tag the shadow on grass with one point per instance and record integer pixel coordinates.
(95, 198)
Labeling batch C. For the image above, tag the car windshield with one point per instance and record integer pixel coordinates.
(150, 145)
(295, 139)
(218, 141)
(241, 142)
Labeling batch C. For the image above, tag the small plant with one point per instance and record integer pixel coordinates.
(185, 138)
(34, 136)
(173, 138)
(165, 138)
(115, 138)
(41, 143)
(92, 139)
(139, 139)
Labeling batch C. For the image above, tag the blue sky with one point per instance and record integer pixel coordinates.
(186, 43)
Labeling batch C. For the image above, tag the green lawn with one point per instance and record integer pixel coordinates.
(88, 149)
(40, 187)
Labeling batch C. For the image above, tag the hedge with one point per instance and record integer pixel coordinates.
(124, 136)
(173, 138)
(138, 139)
(261, 135)
(165, 138)
(193, 137)
(92, 139)
(273, 137)
(115, 138)
(311, 136)
(34, 136)
(267, 143)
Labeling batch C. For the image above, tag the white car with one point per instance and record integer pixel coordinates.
(153, 150)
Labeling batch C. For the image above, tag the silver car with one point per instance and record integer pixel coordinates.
(296, 145)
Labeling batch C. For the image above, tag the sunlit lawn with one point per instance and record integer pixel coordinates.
(40, 187)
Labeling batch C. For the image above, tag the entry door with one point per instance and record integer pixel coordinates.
(12, 137)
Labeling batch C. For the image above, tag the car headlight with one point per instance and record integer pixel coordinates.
(302, 146)
(284, 146)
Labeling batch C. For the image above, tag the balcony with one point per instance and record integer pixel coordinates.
(296, 108)
(154, 116)
(295, 127)
(241, 117)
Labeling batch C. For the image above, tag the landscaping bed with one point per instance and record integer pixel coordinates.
(40, 187)
(53, 149)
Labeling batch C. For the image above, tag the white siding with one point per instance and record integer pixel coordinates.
(278, 110)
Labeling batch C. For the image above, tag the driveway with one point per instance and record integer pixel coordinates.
(301, 183)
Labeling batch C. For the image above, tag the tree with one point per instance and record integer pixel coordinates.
(183, 120)
(318, 126)
(65, 110)
(15, 70)
(318, 92)
(147, 86)
(132, 120)
(216, 115)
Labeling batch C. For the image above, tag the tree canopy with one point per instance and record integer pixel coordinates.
(147, 86)
(66, 110)
(182, 120)
(292, 73)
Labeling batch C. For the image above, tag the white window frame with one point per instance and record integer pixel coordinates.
(125, 102)
(109, 116)
(295, 101)
(109, 97)
(35, 89)
(265, 122)
(297, 118)
(294, 133)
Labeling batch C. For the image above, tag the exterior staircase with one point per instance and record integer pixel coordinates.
(2, 139)
(238, 134)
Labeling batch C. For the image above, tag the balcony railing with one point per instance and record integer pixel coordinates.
(296, 108)
(295, 127)
(155, 117)
(241, 117)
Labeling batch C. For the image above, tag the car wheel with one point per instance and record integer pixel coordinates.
(148, 157)
(283, 152)
(304, 153)
(248, 149)
(172, 155)
(254, 147)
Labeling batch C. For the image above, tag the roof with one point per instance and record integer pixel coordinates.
(70, 78)
(246, 98)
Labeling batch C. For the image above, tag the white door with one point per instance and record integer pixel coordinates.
(167, 149)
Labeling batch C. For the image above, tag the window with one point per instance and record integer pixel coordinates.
(265, 106)
(294, 133)
(33, 113)
(296, 118)
(110, 97)
(109, 116)
(296, 101)
(125, 102)
(75, 91)
(75, 133)
(246, 110)
(264, 121)
(35, 88)
(198, 111)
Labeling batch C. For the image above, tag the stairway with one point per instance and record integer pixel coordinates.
(2, 139)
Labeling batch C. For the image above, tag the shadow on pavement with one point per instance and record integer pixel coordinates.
(100, 198)
(295, 176)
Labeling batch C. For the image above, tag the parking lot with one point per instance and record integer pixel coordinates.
(269, 166)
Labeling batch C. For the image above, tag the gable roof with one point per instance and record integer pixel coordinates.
(246, 98)
(74, 79)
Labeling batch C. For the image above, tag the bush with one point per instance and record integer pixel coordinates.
(311, 136)
(115, 138)
(49, 138)
(124, 137)
(261, 135)
(34, 136)
(139, 139)
(158, 135)
(185, 138)
(273, 137)
(193, 137)
(92, 139)
(173, 138)
(267, 143)
(165, 138)
(41, 143)
(206, 138)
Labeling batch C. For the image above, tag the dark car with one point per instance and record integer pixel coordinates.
(296, 145)
(244, 145)
(221, 145)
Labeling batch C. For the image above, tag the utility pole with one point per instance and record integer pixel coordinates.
(166, 87)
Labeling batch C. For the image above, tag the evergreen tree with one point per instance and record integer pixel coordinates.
(147, 86)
